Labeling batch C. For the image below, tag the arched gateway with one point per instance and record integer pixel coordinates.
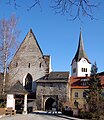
(49, 103)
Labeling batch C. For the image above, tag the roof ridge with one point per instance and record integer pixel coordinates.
(30, 32)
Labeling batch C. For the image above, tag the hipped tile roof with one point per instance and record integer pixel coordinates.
(55, 77)
(17, 88)
(75, 82)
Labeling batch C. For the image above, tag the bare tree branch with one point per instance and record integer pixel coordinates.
(73, 8)
(14, 2)
(8, 36)
(36, 2)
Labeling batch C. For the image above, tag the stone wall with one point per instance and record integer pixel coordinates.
(51, 89)
(28, 59)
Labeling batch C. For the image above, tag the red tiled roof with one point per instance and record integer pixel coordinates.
(75, 82)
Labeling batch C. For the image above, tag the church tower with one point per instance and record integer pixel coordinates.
(80, 66)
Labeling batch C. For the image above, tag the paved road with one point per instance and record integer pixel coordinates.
(36, 116)
(32, 117)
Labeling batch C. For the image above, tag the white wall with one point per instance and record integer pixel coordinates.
(10, 101)
(83, 63)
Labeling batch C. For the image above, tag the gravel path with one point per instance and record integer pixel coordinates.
(38, 116)
(32, 117)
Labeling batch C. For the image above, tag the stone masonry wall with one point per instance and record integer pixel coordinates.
(60, 89)
(28, 59)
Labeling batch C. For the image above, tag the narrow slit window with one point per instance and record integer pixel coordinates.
(29, 65)
(40, 65)
(82, 69)
(16, 64)
(86, 69)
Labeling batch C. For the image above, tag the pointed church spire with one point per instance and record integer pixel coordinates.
(80, 51)
(30, 30)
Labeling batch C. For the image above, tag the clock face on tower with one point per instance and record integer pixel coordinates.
(84, 61)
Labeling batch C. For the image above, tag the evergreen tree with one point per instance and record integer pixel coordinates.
(94, 94)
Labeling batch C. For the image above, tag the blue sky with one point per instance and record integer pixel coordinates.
(57, 36)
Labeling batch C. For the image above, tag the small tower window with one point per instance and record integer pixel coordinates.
(84, 69)
(16, 64)
(74, 70)
(76, 94)
(29, 65)
(40, 65)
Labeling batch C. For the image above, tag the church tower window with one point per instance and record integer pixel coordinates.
(74, 70)
(84, 69)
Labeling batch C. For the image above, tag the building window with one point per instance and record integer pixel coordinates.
(16, 64)
(76, 94)
(84, 69)
(51, 85)
(40, 65)
(43, 84)
(74, 70)
(84, 94)
(29, 65)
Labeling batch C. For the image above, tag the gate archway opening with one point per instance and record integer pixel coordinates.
(49, 103)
